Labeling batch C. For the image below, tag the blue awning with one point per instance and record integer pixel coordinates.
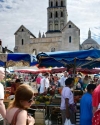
(64, 58)
(15, 59)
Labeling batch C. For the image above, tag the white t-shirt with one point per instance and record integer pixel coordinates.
(66, 93)
(1, 91)
(62, 81)
(44, 83)
(1, 97)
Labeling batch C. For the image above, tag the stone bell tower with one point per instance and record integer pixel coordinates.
(56, 17)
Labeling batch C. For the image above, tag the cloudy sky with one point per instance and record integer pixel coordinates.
(33, 15)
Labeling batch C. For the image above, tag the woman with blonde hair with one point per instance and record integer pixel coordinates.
(17, 109)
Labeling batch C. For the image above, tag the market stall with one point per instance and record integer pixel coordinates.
(75, 59)
(36, 70)
(46, 107)
(49, 105)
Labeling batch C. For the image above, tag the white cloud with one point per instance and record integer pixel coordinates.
(33, 14)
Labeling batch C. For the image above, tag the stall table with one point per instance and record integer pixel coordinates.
(48, 113)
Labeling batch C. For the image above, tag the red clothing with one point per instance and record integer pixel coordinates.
(13, 88)
(38, 79)
(96, 118)
(96, 96)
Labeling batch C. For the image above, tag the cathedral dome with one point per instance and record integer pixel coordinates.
(89, 43)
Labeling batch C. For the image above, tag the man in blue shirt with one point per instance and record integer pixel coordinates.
(86, 106)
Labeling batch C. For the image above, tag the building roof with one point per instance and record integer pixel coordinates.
(70, 22)
(53, 31)
(26, 29)
(90, 41)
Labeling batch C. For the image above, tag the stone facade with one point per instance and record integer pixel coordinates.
(60, 36)
(70, 37)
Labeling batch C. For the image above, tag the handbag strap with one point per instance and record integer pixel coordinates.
(13, 122)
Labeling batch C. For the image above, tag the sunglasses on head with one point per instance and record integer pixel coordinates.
(31, 100)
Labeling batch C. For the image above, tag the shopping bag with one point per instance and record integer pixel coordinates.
(67, 122)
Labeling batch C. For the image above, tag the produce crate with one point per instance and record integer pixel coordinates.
(56, 101)
(77, 115)
(39, 121)
(40, 117)
(54, 114)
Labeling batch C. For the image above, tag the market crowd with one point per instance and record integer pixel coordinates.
(16, 112)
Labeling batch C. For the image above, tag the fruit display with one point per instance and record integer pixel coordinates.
(56, 98)
(46, 99)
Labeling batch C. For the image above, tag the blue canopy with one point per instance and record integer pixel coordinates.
(81, 58)
(15, 59)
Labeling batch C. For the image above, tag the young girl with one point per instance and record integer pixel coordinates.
(17, 110)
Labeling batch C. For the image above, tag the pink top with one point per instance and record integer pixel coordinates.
(38, 79)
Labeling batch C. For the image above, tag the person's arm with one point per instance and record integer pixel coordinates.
(94, 109)
(2, 108)
(22, 119)
(67, 108)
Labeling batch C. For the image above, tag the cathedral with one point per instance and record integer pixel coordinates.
(61, 34)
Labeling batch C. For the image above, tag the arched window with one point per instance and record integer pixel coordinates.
(61, 14)
(56, 26)
(22, 30)
(34, 52)
(51, 15)
(22, 42)
(52, 49)
(69, 26)
(61, 3)
(56, 3)
(56, 14)
(50, 27)
(51, 4)
(62, 26)
(70, 39)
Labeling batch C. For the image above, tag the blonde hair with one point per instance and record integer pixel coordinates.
(23, 93)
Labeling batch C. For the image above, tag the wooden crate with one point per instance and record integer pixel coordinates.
(39, 115)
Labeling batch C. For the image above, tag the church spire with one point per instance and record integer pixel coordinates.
(43, 36)
(39, 34)
(89, 34)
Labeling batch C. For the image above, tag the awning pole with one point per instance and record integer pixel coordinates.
(74, 68)
(5, 75)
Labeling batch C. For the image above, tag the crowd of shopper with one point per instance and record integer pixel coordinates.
(24, 96)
